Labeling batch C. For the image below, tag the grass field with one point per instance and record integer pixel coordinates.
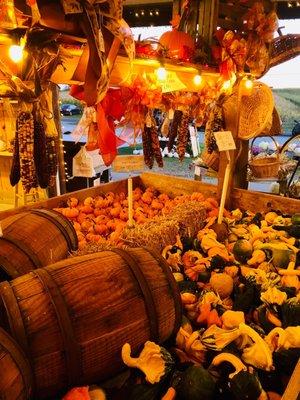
(288, 104)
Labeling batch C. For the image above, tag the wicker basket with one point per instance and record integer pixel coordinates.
(284, 48)
(265, 167)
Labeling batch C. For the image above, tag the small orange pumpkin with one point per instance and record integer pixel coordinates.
(175, 42)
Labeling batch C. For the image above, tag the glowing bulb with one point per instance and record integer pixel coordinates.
(226, 85)
(161, 73)
(249, 84)
(197, 79)
(15, 53)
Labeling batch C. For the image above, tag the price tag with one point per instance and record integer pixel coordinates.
(172, 83)
(225, 140)
(128, 163)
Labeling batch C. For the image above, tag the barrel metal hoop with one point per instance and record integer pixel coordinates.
(14, 316)
(21, 246)
(71, 346)
(174, 287)
(62, 223)
(7, 266)
(20, 359)
(132, 262)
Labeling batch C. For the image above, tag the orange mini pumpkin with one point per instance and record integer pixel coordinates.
(176, 42)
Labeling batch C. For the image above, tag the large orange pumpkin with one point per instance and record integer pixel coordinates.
(176, 43)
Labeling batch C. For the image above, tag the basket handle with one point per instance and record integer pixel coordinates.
(270, 137)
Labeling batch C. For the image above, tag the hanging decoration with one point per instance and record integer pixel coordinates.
(246, 50)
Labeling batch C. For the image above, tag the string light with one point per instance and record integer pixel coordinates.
(161, 73)
(16, 53)
(156, 12)
(249, 84)
(226, 85)
(142, 12)
(136, 14)
(151, 13)
(197, 80)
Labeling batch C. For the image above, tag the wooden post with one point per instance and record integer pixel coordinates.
(61, 160)
(233, 126)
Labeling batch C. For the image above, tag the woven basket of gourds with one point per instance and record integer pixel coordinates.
(266, 166)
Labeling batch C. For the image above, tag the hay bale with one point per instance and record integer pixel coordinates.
(184, 220)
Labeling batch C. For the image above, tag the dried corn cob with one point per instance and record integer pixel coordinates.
(165, 128)
(174, 128)
(147, 146)
(15, 173)
(40, 155)
(155, 144)
(52, 149)
(183, 135)
(215, 123)
(25, 127)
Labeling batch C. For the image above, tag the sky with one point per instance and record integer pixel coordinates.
(285, 75)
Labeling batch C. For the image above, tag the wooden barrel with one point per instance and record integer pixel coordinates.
(34, 239)
(73, 317)
(15, 372)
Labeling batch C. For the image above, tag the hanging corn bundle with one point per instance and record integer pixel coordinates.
(155, 143)
(183, 134)
(174, 128)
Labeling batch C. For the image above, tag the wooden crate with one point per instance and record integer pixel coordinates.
(244, 199)
(253, 201)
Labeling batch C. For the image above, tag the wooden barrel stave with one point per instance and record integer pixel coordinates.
(105, 307)
(34, 239)
(16, 376)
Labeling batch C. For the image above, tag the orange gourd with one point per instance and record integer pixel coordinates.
(175, 41)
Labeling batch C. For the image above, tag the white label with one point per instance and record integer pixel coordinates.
(96, 182)
(225, 140)
(197, 170)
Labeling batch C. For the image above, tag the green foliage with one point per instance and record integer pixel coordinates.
(288, 105)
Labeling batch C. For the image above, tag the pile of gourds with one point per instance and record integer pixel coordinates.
(102, 219)
(240, 334)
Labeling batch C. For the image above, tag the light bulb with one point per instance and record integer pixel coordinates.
(248, 84)
(16, 53)
(197, 79)
(226, 85)
(161, 73)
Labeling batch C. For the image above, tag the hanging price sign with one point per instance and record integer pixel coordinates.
(225, 140)
(172, 83)
(128, 163)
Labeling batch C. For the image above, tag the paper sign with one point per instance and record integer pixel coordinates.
(172, 83)
(225, 140)
(128, 163)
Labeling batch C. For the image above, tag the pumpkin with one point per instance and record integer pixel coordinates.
(178, 44)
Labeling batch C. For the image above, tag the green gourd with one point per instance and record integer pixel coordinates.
(195, 383)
